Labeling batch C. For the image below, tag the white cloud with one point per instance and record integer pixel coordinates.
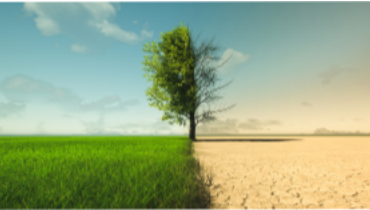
(24, 89)
(100, 11)
(116, 32)
(254, 124)
(44, 23)
(47, 27)
(158, 127)
(56, 45)
(326, 131)
(10, 108)
(84, 23)
(78, 48)
(235, 61)
(95, 127)
(108, 103)
(228, 126)
(146, 34)
(234, 126)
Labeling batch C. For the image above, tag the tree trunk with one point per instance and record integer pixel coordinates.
(193, 98)
(192, 127)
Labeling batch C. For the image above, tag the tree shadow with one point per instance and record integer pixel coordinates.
(247, 140)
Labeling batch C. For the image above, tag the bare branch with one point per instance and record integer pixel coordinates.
(208, 95)
(209, 98)
(206, 73)
(207, 116)
(207, 78)
(205, 50)
(224, 62)
(218, 88)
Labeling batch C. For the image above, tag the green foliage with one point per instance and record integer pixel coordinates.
(170, 66)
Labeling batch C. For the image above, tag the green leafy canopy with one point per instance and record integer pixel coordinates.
(170, 66)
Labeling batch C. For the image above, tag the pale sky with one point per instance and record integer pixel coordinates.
(75, 68)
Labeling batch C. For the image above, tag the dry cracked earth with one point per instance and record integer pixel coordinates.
(307, 172)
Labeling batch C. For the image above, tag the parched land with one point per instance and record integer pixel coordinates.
(287, 172)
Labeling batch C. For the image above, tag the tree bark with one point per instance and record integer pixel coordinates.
(192, 127)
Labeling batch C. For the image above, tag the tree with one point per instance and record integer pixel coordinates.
(181, 78)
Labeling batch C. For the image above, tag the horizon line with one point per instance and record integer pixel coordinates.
(200, 135)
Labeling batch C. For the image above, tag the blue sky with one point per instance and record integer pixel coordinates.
(75, 68)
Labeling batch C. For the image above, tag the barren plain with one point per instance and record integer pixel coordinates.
(287, 172)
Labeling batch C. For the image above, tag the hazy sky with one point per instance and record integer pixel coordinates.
(75, 68)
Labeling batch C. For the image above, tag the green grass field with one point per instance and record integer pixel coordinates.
(100, 172)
